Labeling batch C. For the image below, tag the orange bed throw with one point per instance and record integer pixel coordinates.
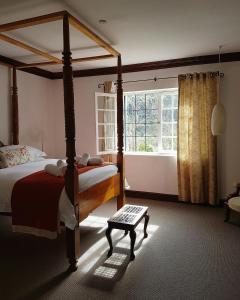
(35, 200)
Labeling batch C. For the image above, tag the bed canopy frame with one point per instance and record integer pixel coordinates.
(71, 184)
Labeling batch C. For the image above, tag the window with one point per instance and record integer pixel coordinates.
(150, 121)
(106, 118)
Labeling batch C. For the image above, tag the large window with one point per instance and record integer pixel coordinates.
(150, 121)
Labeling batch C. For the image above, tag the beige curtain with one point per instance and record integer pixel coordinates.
(197, 153)
(109, 117)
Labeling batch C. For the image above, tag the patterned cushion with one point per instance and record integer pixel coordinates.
(13, 157)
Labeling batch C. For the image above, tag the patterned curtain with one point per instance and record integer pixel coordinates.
(197, 152)
(109, 117)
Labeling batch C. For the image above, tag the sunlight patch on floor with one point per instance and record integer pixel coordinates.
(105, 272)
(92, 255)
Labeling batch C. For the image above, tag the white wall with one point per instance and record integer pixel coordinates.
(34, 94)
(148, 173)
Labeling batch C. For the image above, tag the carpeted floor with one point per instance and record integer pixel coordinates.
(190, 254)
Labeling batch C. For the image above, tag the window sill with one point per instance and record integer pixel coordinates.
(170, 154)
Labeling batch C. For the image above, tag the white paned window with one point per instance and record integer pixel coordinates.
(150, 121)
(106, 120)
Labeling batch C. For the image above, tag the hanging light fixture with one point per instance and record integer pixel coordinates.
(218, 114)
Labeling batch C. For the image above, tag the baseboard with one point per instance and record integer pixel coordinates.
(150, 195)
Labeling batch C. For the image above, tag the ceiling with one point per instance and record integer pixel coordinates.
(142, 31)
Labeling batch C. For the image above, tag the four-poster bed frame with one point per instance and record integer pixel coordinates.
(107, 189)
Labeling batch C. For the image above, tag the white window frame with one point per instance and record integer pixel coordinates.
(97, 94)
(160, 152)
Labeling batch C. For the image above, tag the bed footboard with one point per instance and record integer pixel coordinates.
(97, 195)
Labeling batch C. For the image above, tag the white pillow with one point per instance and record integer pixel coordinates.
(36, 154)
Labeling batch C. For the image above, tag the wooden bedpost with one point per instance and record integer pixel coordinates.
(120, 160)
(15, 119)
(71, 184)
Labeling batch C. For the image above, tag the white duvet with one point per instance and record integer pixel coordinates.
(9, 176)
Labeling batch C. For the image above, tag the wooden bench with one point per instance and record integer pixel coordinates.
(127, 218)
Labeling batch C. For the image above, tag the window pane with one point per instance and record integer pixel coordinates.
(152, 116)
(174, 129)
(109, 144)
(100, 116)
(151, 144)
(175, 115)
(140, 116)
(167, 143)
(106, 102)
(101, 145)
(152, 130)
(151, 101)
(130, 129)
(167, 115)
(130, 116)
(174, 144)
(106, 116)
(140, 130)
(140, 144)
(130, 143)
(167, 129)
(175, 100)
(167, 101)
(130, 102)
(140, 102)
(101, 131)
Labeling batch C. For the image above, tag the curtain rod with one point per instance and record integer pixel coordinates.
(153, 79)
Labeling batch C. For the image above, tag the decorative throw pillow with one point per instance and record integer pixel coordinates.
(13, 157)
(35, 153)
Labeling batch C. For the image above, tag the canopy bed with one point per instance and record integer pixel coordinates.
(83, 202)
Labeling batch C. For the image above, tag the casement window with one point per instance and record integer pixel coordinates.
(150, 122)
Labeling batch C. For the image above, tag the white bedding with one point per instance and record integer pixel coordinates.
(9, 176)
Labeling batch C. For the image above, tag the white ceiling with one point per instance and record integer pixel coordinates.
(140, 30)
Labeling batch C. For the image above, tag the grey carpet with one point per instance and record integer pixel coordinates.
(190, 254)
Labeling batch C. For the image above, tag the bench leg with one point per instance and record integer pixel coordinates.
(108, 235)
(145, 225)
(126, 232)
(133, 239)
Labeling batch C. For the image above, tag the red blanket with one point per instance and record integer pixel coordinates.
(35, 201)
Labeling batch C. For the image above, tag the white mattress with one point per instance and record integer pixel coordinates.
(9, 176)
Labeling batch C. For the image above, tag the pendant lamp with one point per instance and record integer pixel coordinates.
(218, 119)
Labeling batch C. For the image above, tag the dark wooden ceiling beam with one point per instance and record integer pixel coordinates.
(164, 64)
(36, 71)
(172, 63)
